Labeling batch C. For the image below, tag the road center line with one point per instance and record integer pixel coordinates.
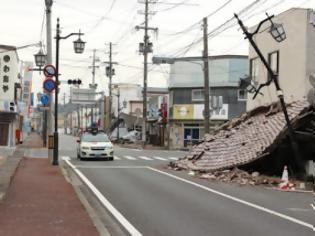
(123, 221)
(289, 218)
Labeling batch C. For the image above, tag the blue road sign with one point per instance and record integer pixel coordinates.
(44, 99)
(49, 85)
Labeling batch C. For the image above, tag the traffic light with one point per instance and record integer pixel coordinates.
(74, 81)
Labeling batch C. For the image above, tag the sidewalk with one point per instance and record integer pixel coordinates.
(40, 201)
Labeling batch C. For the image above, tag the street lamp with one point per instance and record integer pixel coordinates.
(278, 33)
(78, 48)
(40, 58)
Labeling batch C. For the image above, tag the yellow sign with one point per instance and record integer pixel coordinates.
(183, 112)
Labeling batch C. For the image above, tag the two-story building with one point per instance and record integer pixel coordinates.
(292, 59)
(186, 95)
(9, 87)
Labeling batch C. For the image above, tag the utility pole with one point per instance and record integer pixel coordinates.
(110, 71)
(206, 75)
(145, 48)
(65, 113)
(110, 83)
(118, 110)
(93, 85)
(47, 129)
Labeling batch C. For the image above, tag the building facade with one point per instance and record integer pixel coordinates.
(186, 96)
(292, 59)
(9, 90)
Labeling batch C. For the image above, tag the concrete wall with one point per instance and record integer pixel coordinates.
(296, 57)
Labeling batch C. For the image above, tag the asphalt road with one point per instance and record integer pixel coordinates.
(157, 201)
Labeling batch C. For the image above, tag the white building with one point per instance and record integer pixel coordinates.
(128, 92)
(9, 81)
(292, 59)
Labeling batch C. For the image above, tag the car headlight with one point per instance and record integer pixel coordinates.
(85, 148)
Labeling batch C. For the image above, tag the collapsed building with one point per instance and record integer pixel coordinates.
(257, 141)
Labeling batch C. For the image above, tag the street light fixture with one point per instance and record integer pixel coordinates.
(278, 33)
(40, 58)
(79, 45)
(78, 48)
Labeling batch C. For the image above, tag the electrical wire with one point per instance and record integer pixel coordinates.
(219, 29)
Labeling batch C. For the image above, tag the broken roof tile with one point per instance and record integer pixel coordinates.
(243, 139)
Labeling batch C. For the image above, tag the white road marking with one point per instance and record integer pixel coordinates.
(117, 158)
(145, 158)
(130, 158)
(174, 158)
(65, 158)
(298, 209)
(289, 218)
(124, 222)
(110, 167)
(160, 158)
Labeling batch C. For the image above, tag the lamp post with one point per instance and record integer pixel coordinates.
(78, 48)
(40, 61)
(278, 33)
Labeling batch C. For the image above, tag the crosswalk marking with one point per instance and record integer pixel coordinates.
(117, 158)
(130, 158)
(160, 158)
(145, 158)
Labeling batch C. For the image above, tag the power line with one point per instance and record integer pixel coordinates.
(219, 29)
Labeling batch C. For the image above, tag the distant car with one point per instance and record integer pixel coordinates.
(122, 131)
(95, 145)
(131, 136)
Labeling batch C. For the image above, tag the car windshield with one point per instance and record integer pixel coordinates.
(94, 138)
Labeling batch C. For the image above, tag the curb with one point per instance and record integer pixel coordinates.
(101, 218)
(8, 169)
(290, 190)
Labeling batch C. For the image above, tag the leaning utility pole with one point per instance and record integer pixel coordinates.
(145, 48)
(206, 75)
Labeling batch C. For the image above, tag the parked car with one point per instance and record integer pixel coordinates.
(95, 145)
(122, 131)
(131, 136)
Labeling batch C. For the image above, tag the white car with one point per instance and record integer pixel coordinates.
(95, 145)
(132, 136)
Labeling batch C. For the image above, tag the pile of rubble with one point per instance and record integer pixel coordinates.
(234, 175)
(240, 177)
(245, 139)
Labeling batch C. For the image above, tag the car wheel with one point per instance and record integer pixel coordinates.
(111, 158)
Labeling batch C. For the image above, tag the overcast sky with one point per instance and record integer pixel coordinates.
(104, 21)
